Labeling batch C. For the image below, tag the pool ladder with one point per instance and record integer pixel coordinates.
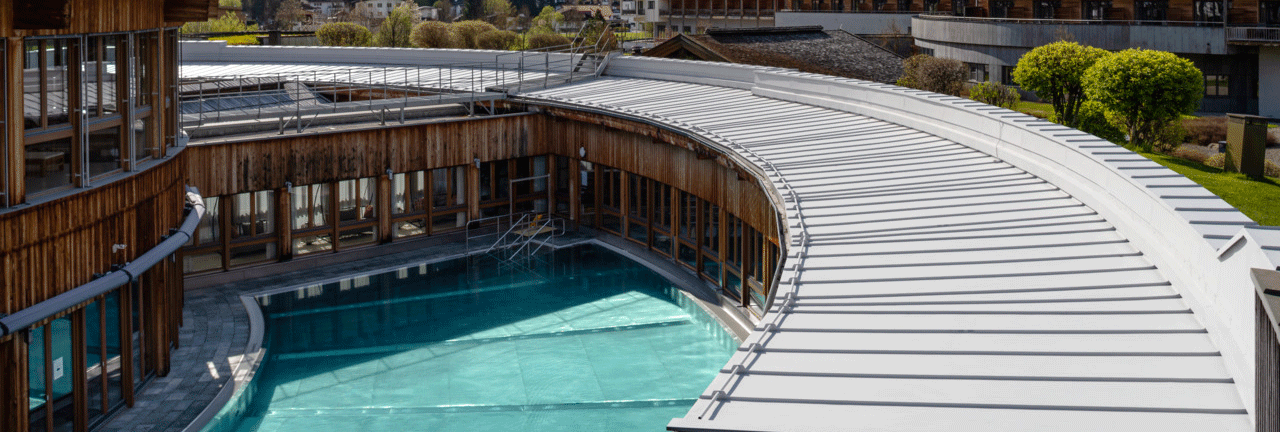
(519, 240)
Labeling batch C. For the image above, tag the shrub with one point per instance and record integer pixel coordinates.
(1169, 137)
(466, 34)
(1093, 119)
(1144, 91)
(933, 74)
(497, 40)
(238, 40)
(1206, 130)
(1270, 169)
(229, 22)
(546, 40)
(432, 34)
(344, 34)
(1190, 154)
(993, 93)
(1055, 72)
(1217, 161)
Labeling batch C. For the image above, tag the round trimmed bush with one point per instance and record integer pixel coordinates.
(432, 34)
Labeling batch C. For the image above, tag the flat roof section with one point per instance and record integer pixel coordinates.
(941, 288)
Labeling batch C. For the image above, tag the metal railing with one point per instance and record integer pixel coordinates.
(1253, 34)
(1057, 21)
(297, 98)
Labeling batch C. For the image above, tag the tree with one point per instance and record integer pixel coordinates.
(933, 74)
(547, 21)
(344, 34)
(432, 34)
(497, 12)
(395, 30)
(1054, 72)
(1144, 90)
(289, 14)
(445, 9)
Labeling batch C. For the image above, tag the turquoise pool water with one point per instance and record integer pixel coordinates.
(580, 339)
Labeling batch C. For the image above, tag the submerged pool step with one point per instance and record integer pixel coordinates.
(464, 409)
(479, 341)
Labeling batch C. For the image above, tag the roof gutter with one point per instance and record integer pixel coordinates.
(25, 318)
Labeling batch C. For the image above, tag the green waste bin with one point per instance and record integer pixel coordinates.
(1246, 144)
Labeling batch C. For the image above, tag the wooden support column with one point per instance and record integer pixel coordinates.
(284, 223)
(384, 210)
(14, 154)
(575, 187)
(79, 387)
(473, 191)
(13, 382)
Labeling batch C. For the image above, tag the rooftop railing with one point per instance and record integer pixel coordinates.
(297, 98)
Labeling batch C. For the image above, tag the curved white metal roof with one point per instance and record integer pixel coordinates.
(933, 286)
(941, 288)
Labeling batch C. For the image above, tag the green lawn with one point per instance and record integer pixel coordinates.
(1041, 110)
(1259, 200)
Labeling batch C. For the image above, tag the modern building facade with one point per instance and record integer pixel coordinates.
(92, 201)
(922, 260)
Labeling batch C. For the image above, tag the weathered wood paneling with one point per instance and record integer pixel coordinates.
(103, 16)
(247, 166)
(56, 246)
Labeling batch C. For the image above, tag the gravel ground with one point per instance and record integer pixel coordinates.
(1273, 152)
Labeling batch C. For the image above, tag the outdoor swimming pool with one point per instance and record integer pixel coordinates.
(581, 338)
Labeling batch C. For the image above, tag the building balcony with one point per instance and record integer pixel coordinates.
(1173, 36)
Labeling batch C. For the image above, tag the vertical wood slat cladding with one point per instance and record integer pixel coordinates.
(98, 16)
(60, 244)
(665, 156)
(309, 159)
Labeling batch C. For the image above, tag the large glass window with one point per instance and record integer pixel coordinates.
(1209, 11)
(1095, 10)
(638, 208)
(204, 251)
(311, 219)
(1217, 85)
(1269, 13)
(252, 227)
(357, 212)
(47, 84)
(586, 193)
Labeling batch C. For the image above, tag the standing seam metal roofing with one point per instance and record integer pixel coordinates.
(940, 289)
(934, 286)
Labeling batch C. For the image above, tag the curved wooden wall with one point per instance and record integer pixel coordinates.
(55, 246)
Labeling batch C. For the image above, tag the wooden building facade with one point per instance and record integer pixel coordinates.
(91, 178)
(290, 197)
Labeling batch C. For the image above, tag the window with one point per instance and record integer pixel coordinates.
(1000, 8)
(311, 219)
(639, 189)
(1095, 10)
(931, 5)
(1208, 11)
(904, 5)
(50, 147)
(1269, 13)
(977, 72)
(651, 6)
(1006, 75)
(1151, 10)
(252, 227)
(926, 51)
(357, 212)
(1045, 9)
(204, 251)
(957, 7)
(1217, 85)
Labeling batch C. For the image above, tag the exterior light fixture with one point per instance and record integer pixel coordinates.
(477, 161)
(582, 152)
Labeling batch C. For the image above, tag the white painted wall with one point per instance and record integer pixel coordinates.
(1269, 82)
